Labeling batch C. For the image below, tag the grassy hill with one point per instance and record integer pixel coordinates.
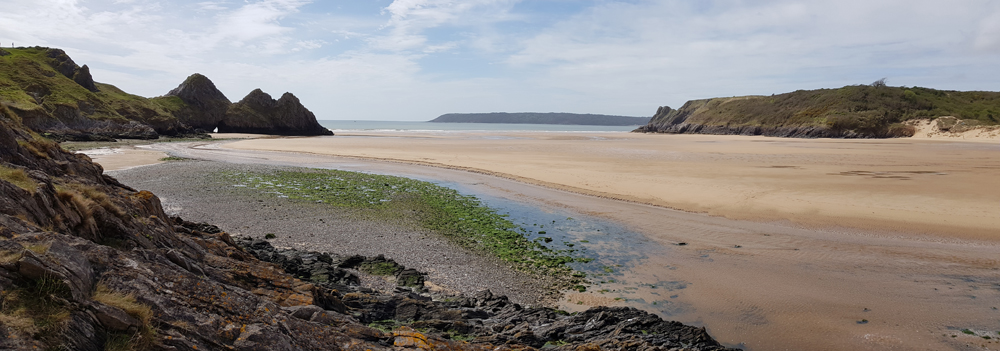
(851, 111)
(51, 94)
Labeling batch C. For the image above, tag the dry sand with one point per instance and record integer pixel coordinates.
(902, 185)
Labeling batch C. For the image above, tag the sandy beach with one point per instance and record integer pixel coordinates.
(900, 185)
(800, 244)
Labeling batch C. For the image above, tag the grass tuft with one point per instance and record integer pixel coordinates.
(142, 339)
(19, 178)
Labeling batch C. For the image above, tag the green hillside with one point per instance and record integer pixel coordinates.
(851, 111)
(47, 90)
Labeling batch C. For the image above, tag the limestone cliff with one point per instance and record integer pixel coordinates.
(258, 112)
(204, 106)
(862, 111)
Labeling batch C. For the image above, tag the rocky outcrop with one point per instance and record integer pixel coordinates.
(206, 106)
(258, 112)
(87, 263)
(484, 319)
(83, 77)
(54, 96)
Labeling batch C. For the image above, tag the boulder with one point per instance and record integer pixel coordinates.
(113, 318)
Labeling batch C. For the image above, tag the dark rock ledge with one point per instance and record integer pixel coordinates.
(480, 319)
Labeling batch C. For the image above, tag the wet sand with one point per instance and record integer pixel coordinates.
(867, 284)
(119, 158)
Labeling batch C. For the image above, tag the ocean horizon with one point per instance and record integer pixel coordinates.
(362, 125)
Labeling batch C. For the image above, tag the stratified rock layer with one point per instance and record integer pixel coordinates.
(259, 113)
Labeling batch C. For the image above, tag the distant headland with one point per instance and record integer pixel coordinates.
(856, 111)
(49, 93)
(542, 118)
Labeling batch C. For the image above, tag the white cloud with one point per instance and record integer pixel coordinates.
(419, 58)
(988, 36)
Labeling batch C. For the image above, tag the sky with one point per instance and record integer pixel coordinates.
(413, 60)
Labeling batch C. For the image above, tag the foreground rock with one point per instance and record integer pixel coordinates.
(89, 264)
(480, 319)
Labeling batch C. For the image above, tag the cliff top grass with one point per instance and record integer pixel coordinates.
(31, 81)
(857, 107)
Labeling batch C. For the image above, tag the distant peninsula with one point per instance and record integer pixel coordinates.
(856, 111)
(542, 118)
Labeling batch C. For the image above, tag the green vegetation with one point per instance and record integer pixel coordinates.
(37, 308)
(35, 85)
(173, 158)
(462, 219)
(19, 178)
(380, 268)
(270, 236)
(144, 337)
(869, 109)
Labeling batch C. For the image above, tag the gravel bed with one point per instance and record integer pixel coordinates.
(188, 189)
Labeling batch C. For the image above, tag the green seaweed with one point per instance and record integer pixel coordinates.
(462, 219)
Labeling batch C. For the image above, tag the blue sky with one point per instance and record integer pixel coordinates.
(417, 59)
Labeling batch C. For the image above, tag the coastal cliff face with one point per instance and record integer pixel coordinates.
(87, 263)
(55, 96)
(848, 112)
(203, 105)
(51, 94)
(258, 112)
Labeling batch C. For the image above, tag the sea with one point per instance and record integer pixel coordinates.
(405, 126)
